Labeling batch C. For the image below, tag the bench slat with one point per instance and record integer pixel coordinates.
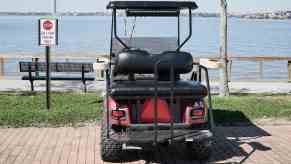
(58, 78)
(55, 67)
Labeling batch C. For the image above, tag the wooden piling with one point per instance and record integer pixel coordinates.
(224, 88)
(1, 67)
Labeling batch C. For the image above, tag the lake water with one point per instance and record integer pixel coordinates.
(92, 35)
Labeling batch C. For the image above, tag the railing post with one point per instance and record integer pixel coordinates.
(1, 67)
(100, 73)
(289, 71)
(261, 70)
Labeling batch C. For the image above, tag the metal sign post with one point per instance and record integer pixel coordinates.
(48, 37)
(48, 78)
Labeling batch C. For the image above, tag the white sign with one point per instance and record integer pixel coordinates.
(48, 32)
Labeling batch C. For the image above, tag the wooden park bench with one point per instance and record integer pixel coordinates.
(35, 68)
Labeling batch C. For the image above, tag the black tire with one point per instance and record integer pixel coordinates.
(200, 150)
(111, 151)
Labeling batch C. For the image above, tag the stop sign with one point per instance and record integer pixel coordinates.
(48, 25)
(48, 32)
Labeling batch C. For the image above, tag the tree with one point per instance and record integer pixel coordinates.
(223, 89)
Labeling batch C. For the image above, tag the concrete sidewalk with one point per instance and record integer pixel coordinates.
(21, 85)
(235, 87)
(66, 145)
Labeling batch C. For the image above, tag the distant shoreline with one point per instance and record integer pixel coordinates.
(279, 15)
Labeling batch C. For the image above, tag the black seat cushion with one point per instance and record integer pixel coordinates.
(147, 87)
(141, 62)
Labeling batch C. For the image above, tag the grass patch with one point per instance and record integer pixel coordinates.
(248, 108)
(22, 110)
(71, 109)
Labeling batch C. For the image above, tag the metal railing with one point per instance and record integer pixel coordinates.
(9, 64)
(260, 60)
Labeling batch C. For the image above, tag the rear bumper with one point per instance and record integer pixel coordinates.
(146, 135)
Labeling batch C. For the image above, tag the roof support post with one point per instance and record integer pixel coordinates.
(224, 88)
(190, 31)
(115, 30)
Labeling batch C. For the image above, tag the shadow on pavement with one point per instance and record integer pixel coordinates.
(228, 143)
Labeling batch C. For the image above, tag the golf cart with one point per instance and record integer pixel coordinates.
(153, 105)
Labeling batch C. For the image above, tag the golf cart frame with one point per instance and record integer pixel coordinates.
(157, 9)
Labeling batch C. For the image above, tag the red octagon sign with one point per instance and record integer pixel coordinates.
(48, 25)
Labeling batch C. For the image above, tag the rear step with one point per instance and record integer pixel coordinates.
(161, 126)
(145, 137)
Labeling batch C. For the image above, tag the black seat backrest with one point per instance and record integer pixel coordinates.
(141, 62)
(56, 67)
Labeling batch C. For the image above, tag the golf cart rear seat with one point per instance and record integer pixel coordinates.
(141, 62)
(147, 87)
(134, 61)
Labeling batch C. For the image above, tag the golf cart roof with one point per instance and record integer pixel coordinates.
(152, 5)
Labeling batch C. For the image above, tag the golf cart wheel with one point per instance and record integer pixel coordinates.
(111, 151)
(200, 150)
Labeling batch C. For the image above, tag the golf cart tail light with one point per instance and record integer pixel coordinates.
(118, 114)
(194, 116)
(197, 113)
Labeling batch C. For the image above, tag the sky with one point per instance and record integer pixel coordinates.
(237, 6)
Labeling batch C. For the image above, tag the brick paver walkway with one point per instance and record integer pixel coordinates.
(269, 144)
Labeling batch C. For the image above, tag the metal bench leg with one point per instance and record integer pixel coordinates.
(30, 78)
(83, 78)
(85, 86)
(31, 85)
